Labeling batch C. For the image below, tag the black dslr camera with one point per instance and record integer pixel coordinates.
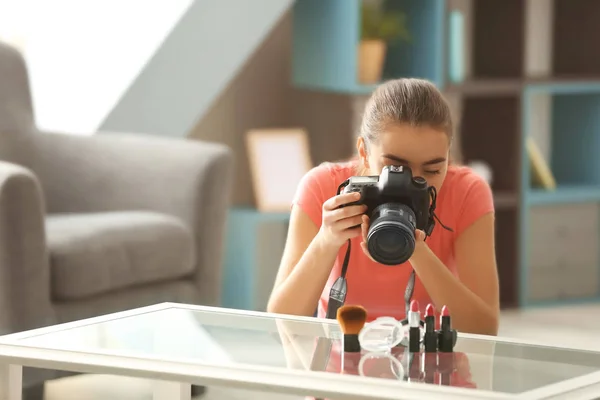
(397, 204)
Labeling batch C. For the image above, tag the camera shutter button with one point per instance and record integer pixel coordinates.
(420, 182)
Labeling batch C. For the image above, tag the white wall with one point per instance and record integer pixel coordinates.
(207, 49)
(84, 54)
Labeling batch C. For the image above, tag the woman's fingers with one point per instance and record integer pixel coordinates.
(346, 212)
(419, 235)
(351, 222)
(352, 233)
(339, 200)
(365, 250)
(364, 227)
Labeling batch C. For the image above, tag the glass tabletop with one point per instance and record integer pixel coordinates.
(220, 337)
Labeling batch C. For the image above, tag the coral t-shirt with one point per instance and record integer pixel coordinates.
(463, 198)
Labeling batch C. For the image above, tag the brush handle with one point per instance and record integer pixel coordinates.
(351, 344)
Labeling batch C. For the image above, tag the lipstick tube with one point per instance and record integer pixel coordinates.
(430, 340)
(414, 331)
(446, 334)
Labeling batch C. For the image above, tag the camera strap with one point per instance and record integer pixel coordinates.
(337, 298)
(337, 293)
(408, 292)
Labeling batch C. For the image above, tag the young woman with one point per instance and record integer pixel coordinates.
(406, 122)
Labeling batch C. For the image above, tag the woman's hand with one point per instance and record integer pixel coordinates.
(364, 228)
(341, 224)
(419, 243)
(419, 237)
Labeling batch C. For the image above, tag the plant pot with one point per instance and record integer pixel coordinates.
(371, 56)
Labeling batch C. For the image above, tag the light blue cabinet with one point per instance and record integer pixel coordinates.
(560, 228)
(510, 72)
(253, 250)
(327, 34)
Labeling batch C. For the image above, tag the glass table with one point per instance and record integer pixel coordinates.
(179, 345)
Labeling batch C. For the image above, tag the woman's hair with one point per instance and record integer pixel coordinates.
(416, 102)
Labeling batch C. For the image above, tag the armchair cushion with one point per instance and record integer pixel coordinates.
(188, 179)
(97, 253)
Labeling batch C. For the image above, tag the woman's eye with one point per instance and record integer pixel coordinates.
(432, 172)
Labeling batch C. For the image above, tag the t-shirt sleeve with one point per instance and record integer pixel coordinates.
(313, 191)
(477, 201)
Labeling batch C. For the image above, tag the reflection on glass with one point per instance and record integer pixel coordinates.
(310, 348)
(383, 334)
(476, 363)
(380, 364)
(216, 337)
(450, 369)
(447, 369)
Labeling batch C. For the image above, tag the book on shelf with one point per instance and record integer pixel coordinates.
(540, 170)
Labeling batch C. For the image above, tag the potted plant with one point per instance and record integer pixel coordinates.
(378, 29)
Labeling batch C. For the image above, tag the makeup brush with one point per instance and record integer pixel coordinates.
(351, 320)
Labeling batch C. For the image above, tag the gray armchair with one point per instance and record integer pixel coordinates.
(97, 224)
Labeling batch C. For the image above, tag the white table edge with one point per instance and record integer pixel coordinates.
(19, 351)
(150, 309)
(83, 322)
(563, 389)
(299, 382)
(168, 305)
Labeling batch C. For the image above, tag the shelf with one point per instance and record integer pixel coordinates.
(505, 200)
(561, 86)
(507, 225)
(514, 86)
(497, 34)
(564, 122)
(422, 58)
(531, 69)
(575, 50)
(486, 87)
(561, 260)
(563, 195)
(326, 35)
(490, 132)
(576, 138)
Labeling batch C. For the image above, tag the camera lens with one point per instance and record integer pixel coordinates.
(391, 236)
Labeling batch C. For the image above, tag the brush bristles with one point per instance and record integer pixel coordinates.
(351, 319)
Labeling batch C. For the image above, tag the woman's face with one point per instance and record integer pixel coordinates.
(424, 149)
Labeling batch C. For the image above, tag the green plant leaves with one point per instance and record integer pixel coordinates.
(381, 25)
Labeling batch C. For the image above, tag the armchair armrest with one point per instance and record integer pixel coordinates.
(24, 267)
(185, 178)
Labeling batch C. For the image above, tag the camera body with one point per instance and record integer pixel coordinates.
(397, 204)
(396, 184)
